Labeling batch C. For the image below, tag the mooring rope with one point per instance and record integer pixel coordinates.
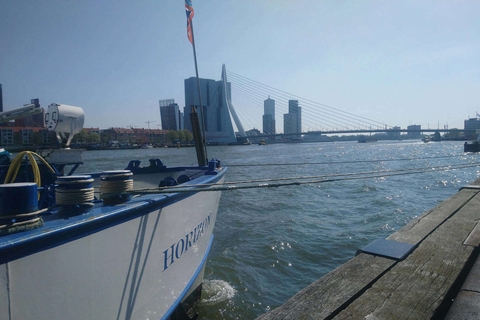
(341, 162)
(267, 183)
(27, 221)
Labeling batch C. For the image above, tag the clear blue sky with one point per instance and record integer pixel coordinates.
(397, 62)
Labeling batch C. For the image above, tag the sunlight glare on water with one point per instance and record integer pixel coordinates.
(215, 291)
(271, 243)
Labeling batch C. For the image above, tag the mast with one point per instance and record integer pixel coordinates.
(201, 140)
(197, 136)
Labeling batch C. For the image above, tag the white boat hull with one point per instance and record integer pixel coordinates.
(123, 268)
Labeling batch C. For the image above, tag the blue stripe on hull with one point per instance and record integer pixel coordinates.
(57, 231)
(190, 283)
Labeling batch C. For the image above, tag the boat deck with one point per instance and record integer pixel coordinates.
(428, 269)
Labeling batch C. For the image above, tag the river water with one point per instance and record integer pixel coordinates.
(272, 242)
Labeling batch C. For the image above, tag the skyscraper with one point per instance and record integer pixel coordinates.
(269, 116)
(292, 121)
(471, 126)
(1, 98)
(172, 118)
(414, 135)
(218, 124)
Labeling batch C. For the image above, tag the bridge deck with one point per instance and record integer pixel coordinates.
(420, 286)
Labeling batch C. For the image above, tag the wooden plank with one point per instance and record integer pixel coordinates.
(419, 228)
(416, 287)
(332, 291)
(368, 279)
(467, 303)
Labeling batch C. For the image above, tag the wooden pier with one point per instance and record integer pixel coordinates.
(426, 270)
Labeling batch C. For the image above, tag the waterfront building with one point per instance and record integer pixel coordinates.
(170, 115)
(130, 136)
(471, 126)
(217, 120)
(316, 136)
(6, 136)
(253, 135)
(92, 130)
(394, 133)
(292, 121)
(269, 116)
(415, 134)
(25, 137)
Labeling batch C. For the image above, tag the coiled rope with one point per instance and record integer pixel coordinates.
(20, 222)
(66, 196)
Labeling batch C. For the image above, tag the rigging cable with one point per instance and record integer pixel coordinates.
(265, 183)
(337, 162)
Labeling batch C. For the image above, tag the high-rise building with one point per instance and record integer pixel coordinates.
(218, 124)
(1, 98)
(415, 134)
(292, 121)
(394, 133)
(269, 116)
(471, 126)
(170, 115)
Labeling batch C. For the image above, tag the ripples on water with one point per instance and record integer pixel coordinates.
(271, 243)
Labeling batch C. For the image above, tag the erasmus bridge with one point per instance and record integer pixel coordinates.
(245, 101)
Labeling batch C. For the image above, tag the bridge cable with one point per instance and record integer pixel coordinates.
(335, 116)
(330, 109)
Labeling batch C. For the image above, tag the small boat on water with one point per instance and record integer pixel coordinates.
(98, 245)
(473, 145)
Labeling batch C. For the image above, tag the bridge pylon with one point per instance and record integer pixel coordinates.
(228, 101)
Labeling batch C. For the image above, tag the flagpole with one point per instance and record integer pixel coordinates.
(204, 142)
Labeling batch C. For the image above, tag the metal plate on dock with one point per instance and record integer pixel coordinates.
(388, 249)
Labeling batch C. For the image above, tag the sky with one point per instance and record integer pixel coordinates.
(397, 62)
